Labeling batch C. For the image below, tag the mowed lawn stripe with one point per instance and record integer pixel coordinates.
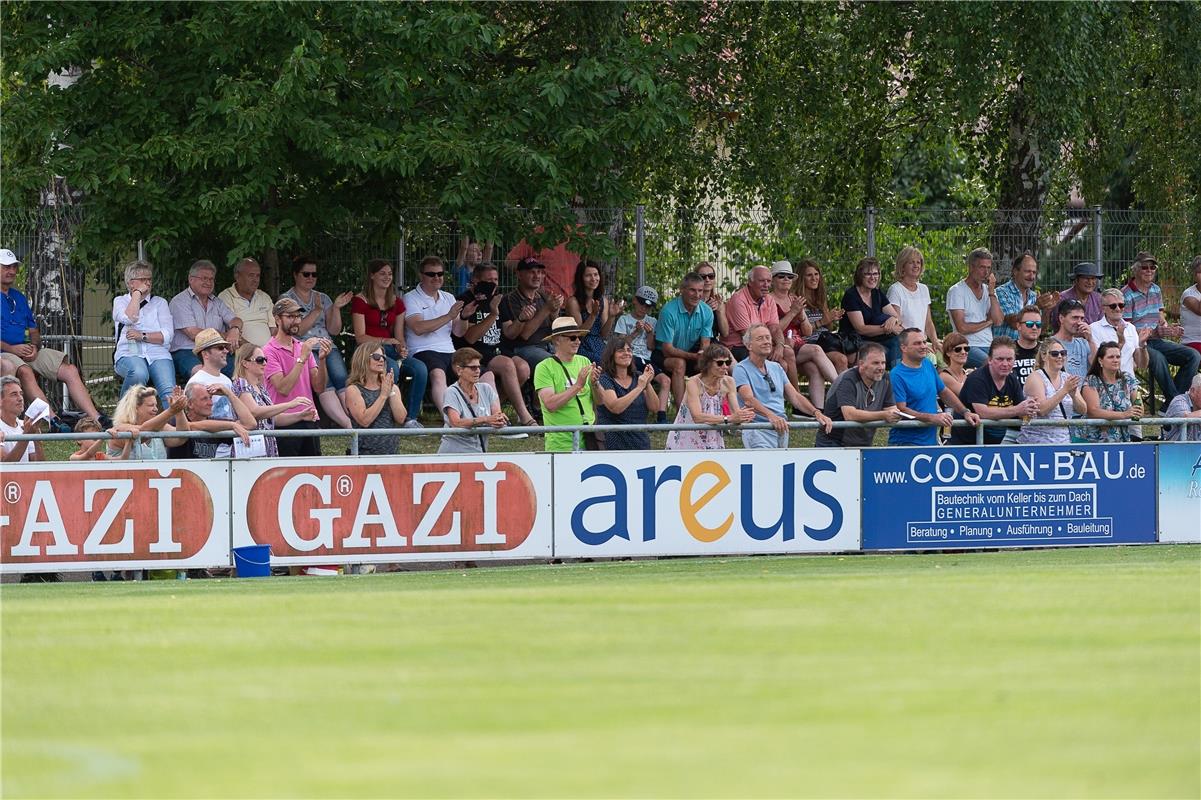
(1022, 673)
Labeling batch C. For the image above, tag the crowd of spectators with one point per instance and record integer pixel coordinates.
(248, 364)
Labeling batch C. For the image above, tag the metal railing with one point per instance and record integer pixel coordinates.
(578, 431)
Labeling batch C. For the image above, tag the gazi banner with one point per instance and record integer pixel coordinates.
(1010, 495)
(425, 508)
(706, 502)
(114, 515)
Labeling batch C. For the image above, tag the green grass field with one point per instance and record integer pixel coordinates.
(1064, 673)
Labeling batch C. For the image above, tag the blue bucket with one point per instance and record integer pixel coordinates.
(253, 561)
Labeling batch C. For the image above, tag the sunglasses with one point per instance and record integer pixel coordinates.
(377, 356)
(771, 385)
(571, 337)
(722, 362)
(258, 359)
(1149, 267)
(707, 275)
(221, 347)
(1032, 323)
(962, 348)
(308, 274)
(1115, 306)
(785, 277)
(433, 274)
(472, 367)
(1057, 353)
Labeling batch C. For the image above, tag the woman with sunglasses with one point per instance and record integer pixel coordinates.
(1057, 393)
(955, 351)
(378, 317)
(812, 289)
(713, 298)
(811, 359)
(251, 388)
(706, 396)
(322, 320)
(1109, 393)
(624, 397)
(1190, 310)
(373, 399)
(469, 403)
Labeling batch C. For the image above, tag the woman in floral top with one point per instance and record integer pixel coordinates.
(252, 390)
(1110, 393)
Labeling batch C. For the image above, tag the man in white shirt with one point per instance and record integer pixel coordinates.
(249, 303)
(1112, 328)
(12, 405)
(972, 304)
(429, 315)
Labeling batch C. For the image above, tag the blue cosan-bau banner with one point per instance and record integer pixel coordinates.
(1008, 496)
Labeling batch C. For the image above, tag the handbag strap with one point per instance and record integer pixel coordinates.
(570, 380)
(1050, 385)
(471, 411)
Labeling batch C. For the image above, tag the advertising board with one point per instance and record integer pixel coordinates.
(1008, 496)
(706, 503)
(425, 508)
(114, 515)
(1180, 492)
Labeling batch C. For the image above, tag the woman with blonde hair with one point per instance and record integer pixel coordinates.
(137, 413)
(912, 296)
(372, 399)
(251, 388)
(1057, 392)
(712, 298)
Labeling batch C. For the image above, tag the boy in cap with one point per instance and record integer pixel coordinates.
(639, 322)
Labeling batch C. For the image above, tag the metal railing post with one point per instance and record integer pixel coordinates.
(575, 441)
(1098, 247)
(640, 242)
(980, 432)
(141, 250)
(354, 442)
(400, 255)
(871, 231)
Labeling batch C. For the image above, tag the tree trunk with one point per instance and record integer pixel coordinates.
(1024, 185)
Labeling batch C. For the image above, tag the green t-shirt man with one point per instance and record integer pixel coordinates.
(550, 374)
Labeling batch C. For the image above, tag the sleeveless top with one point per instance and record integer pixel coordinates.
(378, 445)
(698, 440)
(1047, 434)
(259, 393)
(635, 414)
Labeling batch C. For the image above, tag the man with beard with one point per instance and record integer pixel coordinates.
(293, 372)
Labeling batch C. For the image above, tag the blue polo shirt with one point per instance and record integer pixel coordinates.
(682, 329)
(918, 388)
(770, 394)
(16, 317)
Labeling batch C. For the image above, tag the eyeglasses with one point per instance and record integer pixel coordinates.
(258, 359)
(1115, 306)
(472, 367)
(1149, 267)
(433, 274)
(221, 347)
(308, 274)
(722, 362)
(1032, 323)
(961, 348)
(707, 275)
(1057, 353)
(377, 356)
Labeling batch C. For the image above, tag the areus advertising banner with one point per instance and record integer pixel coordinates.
(1008, 496)
(1180, 492)
(706, 503)
(431, 508)
(114, 515)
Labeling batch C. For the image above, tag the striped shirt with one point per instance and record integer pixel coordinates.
(1142, 308)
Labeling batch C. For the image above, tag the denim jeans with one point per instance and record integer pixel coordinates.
(135, 370)
(976, 357)
(335, 370)
(418, 376)
(1164, 353)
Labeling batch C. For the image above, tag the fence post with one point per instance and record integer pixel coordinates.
(1098, 249)
(871, 231)
(640, 242)
(141, 250)
(400, 255)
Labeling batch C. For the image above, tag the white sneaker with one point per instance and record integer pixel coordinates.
(413, 424)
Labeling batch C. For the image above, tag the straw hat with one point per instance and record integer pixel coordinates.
(208, 338)
(564, 326)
